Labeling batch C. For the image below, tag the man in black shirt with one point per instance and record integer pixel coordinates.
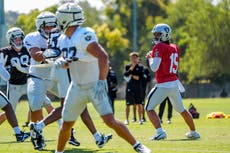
(112, 86)
(133, 74)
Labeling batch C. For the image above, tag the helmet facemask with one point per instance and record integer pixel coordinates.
(15, 37)
(46, 29)
(45, 22)
(17, 42)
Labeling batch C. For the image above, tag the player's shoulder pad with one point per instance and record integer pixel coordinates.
(30, 38)
(88, 33)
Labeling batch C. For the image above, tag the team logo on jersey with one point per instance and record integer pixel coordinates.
(156, 54)
(88, 37)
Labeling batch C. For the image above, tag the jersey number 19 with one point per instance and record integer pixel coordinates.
(174, 63)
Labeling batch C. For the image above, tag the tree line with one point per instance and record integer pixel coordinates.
(200, 28)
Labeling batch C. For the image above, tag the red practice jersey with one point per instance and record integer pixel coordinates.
(169, 54)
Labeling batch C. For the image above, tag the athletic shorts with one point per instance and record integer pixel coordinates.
(61, 81)
(133, 96)
(77, 98)
(15, 92)
(36, 92)
(3, 100)
(158, 94)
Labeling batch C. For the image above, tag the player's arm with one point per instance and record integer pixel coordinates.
(98, 51)
(36, 54)
(154, 62)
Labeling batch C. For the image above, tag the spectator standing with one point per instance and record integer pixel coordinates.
(134, 91)
(112, 86)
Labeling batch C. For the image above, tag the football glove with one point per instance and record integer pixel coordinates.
(60, 62)
(101, 90)
(3, 59)
(19, 67)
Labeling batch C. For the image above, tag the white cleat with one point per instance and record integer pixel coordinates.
(140, 148)
(192, 135)
(159, 136)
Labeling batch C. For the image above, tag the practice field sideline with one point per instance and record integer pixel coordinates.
(215, 135)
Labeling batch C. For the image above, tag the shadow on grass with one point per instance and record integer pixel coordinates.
(78, 150)
(27, 141)
(181, 139)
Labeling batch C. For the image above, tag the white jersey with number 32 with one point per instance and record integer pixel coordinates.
(85, 70)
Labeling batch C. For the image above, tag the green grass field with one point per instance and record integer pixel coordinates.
(215, 133)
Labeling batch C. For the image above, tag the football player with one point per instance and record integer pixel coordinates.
(88, 76)
(164, 61)
(17, 63)
(6, 106)
(36, 43)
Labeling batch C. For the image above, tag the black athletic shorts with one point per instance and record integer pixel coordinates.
(133, 96)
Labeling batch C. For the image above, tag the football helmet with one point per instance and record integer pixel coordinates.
(161, 33)
(43, 20)
(69, 14)
(11, 36)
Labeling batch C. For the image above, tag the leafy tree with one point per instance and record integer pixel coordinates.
(200, 30)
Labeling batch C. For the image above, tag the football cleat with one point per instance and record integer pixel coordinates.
(192, 135)
(159, 136)
(103, 140)
(73, 141)
(37, 137)
(22, 136)
(140, 148)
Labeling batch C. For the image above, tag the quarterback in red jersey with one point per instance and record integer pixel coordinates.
(164, 60)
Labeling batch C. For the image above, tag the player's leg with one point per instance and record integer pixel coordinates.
(72, 109)
(123, 132)
(64, 135)
(105, 110)
(176, 100)
(100, 139)
(156, 96)
(11, 117)
(36, 91)
(14, 93)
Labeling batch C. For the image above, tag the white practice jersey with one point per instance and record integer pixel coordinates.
(85, 70)
(36, 40)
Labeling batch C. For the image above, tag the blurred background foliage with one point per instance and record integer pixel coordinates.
(200, 28)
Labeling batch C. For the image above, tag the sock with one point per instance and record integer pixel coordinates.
(59, 122)
(59, 151)
(136, 144)
(17, 130)
(40, 125)
(160, 130)
(97, 136)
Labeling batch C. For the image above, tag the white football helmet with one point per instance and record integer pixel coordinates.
(45, 19)
(165, 33)
(14, 33)
(69, 14)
